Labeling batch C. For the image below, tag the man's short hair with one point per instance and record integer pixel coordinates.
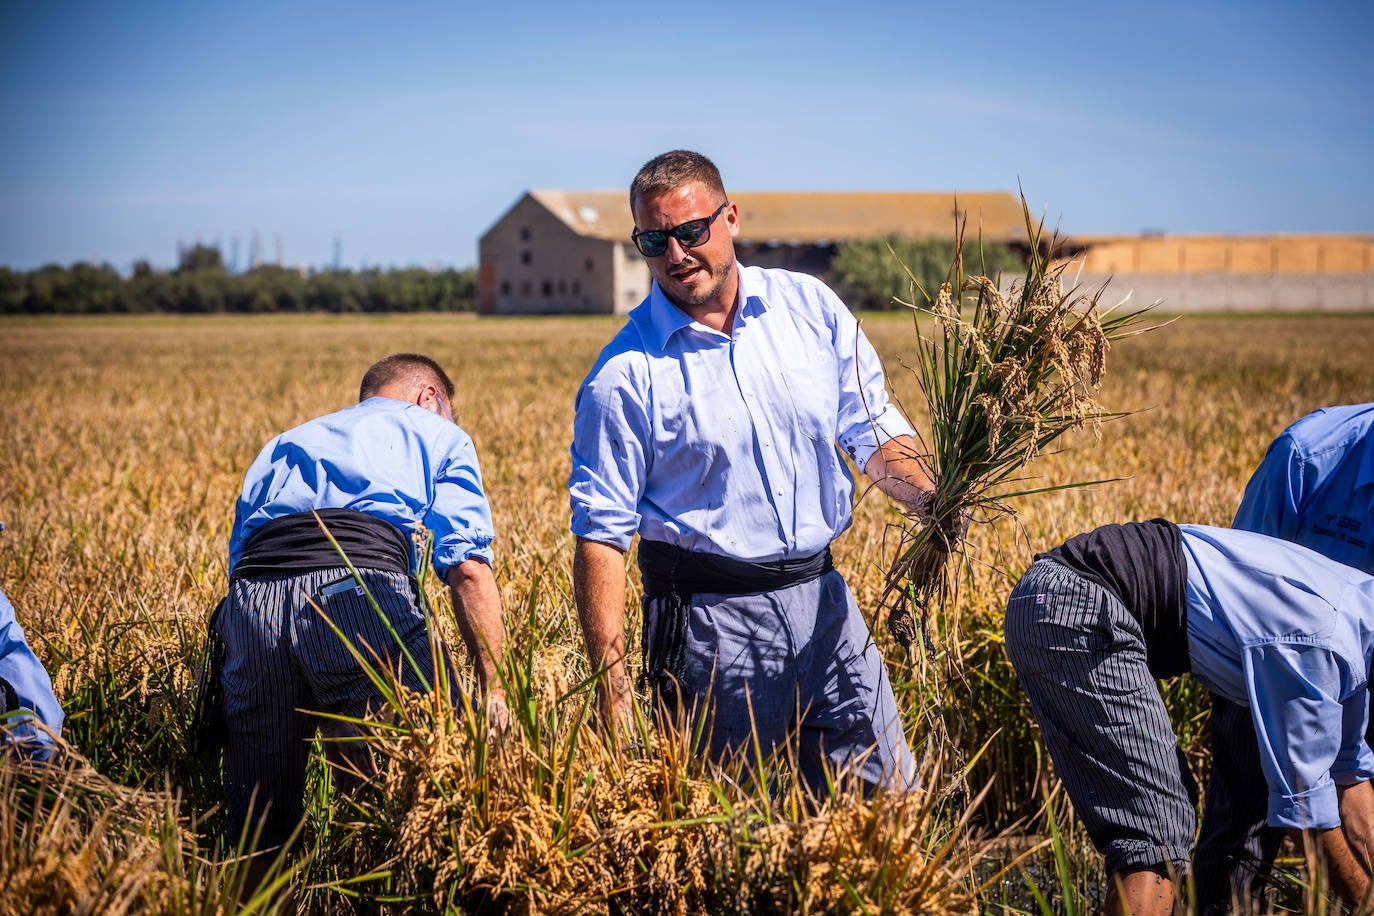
(670, 171)
(404, 369)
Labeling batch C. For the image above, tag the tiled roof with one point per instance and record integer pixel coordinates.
(814, 216)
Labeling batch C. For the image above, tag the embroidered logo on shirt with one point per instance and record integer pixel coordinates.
(1349, 523)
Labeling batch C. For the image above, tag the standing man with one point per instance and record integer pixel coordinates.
(381, 475)
(1315, 487)
(709, 426)
(1271, 626)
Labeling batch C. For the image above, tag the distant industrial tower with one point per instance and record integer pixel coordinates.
(338, 252)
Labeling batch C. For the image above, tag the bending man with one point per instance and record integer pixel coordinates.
(1271, 626)
(1315, 487)
(378, 473)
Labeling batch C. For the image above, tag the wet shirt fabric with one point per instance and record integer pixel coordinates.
(1287, 632)
(388, 458)
(1315, 486)
(730, 444)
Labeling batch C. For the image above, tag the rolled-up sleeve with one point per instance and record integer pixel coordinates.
(459, 517)
(1308, 718)
(867, 417)
(611, 432)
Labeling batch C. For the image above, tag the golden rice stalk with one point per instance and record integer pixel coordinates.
(74, 841)
(1005, 372)
(548, 819)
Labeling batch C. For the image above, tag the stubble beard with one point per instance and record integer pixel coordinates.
(696, 300)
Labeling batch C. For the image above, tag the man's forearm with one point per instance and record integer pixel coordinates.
(1348, 877)
(599, 592)
(897, 469)
(1356, 803)
(477, 608)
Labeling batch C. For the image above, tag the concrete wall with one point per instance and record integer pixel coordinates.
(1297, 254)
(1220, 291)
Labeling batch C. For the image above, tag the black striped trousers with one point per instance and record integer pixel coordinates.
(283, 663)
(1080, 656)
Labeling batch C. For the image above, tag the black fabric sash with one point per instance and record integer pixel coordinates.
(1142, 563)
(295, 543)
(672, 575)
(666, 569)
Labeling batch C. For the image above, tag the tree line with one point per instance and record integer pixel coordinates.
(872, 273)
(200, 284)
(865, 274)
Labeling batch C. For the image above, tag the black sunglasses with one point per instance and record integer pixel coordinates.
(653, 242)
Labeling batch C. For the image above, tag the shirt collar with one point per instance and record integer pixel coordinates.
(666, 319)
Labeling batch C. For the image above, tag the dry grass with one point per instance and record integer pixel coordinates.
(122, 445)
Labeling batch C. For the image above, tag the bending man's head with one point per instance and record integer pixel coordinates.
(409, 377)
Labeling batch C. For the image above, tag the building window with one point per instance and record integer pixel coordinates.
(548, 288)
(589, 265)
(524, 257)
(505, 287)
(524, 233)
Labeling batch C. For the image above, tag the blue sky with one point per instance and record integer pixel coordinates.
(405, 130)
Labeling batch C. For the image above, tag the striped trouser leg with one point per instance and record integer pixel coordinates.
(265, 742)
(284, 662)
(1236, 847)
(397, 642)
(1081, 658)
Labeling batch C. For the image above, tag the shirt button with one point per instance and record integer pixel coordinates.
(778, 491)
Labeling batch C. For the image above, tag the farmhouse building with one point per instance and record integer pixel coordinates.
(558, 251)
(570, 251)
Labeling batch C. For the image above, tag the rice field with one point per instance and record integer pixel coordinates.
(122, 448)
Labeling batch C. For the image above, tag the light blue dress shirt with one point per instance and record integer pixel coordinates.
(727, 444)
(31, 684)
(1315, 486)
(1288, 632)
(388, 458)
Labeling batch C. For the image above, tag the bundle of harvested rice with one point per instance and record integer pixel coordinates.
(1005, 372)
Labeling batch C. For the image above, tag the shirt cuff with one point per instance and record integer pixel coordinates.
(450, 555)
(1315, 809)
(862, 441)
(606, 526)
